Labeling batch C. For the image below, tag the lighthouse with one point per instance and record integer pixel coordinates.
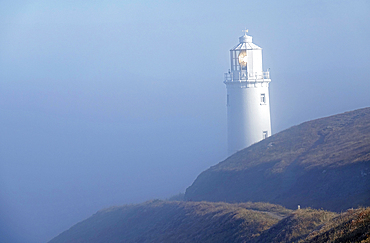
(248, 102)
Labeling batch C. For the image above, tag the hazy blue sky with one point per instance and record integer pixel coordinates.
(111, 102)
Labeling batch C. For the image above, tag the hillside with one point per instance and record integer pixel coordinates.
(351, 226)
(173, 222)
(165, 221)
(324, 163)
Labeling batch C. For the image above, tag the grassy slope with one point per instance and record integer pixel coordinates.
(313, 226)
(323, 163)
(351, 226)
(172, 221)
(296, 226)
(164, 221)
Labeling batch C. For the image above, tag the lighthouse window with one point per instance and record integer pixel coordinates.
(263, 99)
(264, 134)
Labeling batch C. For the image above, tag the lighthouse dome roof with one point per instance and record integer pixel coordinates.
(245, 43)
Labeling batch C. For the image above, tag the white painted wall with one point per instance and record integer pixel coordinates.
(247, 117)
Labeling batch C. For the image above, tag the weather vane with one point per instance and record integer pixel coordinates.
(246, 31)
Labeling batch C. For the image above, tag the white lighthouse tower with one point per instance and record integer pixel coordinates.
(248, 103)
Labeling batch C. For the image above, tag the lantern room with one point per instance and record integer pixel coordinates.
(246, 61)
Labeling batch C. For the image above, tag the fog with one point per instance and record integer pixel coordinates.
(107, 103)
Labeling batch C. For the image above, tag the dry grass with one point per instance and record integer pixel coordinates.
(351, 226)
(175, 221)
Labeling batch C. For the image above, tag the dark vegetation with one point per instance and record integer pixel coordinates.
(323, 163)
